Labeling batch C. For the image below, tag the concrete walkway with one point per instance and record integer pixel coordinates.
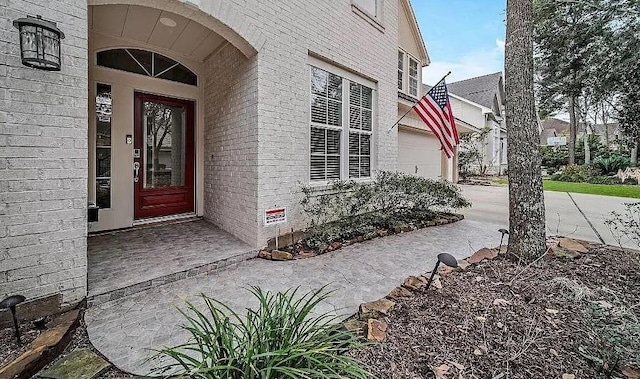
(125, 330)
(573, 215)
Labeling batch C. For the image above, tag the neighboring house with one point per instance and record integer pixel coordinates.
(552, 127)
(610, 133)
(480, 103)
(166, 109)
(418, 149)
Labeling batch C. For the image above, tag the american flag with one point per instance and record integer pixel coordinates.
(435, 110)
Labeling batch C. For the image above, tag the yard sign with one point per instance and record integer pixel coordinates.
(275, 216)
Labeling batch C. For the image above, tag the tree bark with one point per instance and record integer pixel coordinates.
(573, 127)
(526, 198)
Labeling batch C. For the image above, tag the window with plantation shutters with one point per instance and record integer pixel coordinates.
(326, 124)
(341, 125)
(360, 127)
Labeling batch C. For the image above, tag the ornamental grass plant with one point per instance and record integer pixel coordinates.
(282, 338)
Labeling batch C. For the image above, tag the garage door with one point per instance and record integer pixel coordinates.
(419, 153)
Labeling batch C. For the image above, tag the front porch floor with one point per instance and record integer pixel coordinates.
(125, 262)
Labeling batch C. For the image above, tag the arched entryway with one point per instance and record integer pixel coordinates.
(156, 68)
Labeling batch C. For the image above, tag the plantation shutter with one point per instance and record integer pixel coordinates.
(326, 125)
(360, 127)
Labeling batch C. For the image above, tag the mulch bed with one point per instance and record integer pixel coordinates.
(300, 249)
(484, 323)
(9, 347)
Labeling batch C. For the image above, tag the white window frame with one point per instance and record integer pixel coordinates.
(417, 77)
(347, 78)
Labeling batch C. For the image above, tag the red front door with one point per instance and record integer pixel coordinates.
(163, 156)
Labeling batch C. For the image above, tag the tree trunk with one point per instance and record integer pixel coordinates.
(572, 130)
(526, 199)
(606, 128)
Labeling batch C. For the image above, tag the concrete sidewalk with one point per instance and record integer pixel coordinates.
(125, 330)
(573, 215)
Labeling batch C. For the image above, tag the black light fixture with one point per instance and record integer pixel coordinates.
(39, 43)
(10, 303)
(503, 231)
(448, 260)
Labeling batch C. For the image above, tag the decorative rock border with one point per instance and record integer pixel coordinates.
(289, 253)
(369, 321)
(44, 349)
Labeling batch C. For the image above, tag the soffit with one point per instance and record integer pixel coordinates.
(144, 24)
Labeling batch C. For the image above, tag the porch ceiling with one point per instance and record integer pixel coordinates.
(157, 28)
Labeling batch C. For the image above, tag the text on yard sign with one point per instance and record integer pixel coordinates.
(275, 216)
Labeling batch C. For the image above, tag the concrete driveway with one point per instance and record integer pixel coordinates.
(573, 215)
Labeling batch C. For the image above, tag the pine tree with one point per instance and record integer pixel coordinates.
(526, 199)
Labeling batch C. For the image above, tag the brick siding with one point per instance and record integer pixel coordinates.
(43, 158)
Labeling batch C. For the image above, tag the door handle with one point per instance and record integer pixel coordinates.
(136, 171)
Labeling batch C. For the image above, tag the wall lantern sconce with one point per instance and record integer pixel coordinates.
(39, 43)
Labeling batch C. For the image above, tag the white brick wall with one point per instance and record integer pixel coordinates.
(43, 158)
(231, 142)
(284, 32)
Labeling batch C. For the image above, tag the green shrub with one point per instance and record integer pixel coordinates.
(349, 208)
(610, 165)
(574, 173)
(625, 227)
(281, 339)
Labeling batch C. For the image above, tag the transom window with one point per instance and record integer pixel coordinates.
(147, 63)
(341, 127)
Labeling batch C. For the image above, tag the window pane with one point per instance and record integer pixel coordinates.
(103, 145)
(143, 58)
(103, 193)
(319, 80)
(367, 97)
(164, 145)
(318, 109)
(365, 144)
(335, 87)
(413, 87)
(120, 60)
(318, 145)
(354, 167)
(400, 80)
(365, 167)
(413, 68)
(139, 62)
(180, 74)
(354, 94)
(103, 162)
(366, 120)
(333, 167)
(161, 63)
(335, 113)
(355, 120)
(333, 142)
(368, 6)
(354, 143)
(400, 61)
(317, 167)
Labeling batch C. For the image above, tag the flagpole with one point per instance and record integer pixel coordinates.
(414, 105)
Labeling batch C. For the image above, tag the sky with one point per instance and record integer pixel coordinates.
(465, 37)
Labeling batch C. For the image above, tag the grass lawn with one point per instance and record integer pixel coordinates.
(594, 189)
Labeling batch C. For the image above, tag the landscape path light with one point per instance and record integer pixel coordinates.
(448, 260)
(10, 304)
(503, 231)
